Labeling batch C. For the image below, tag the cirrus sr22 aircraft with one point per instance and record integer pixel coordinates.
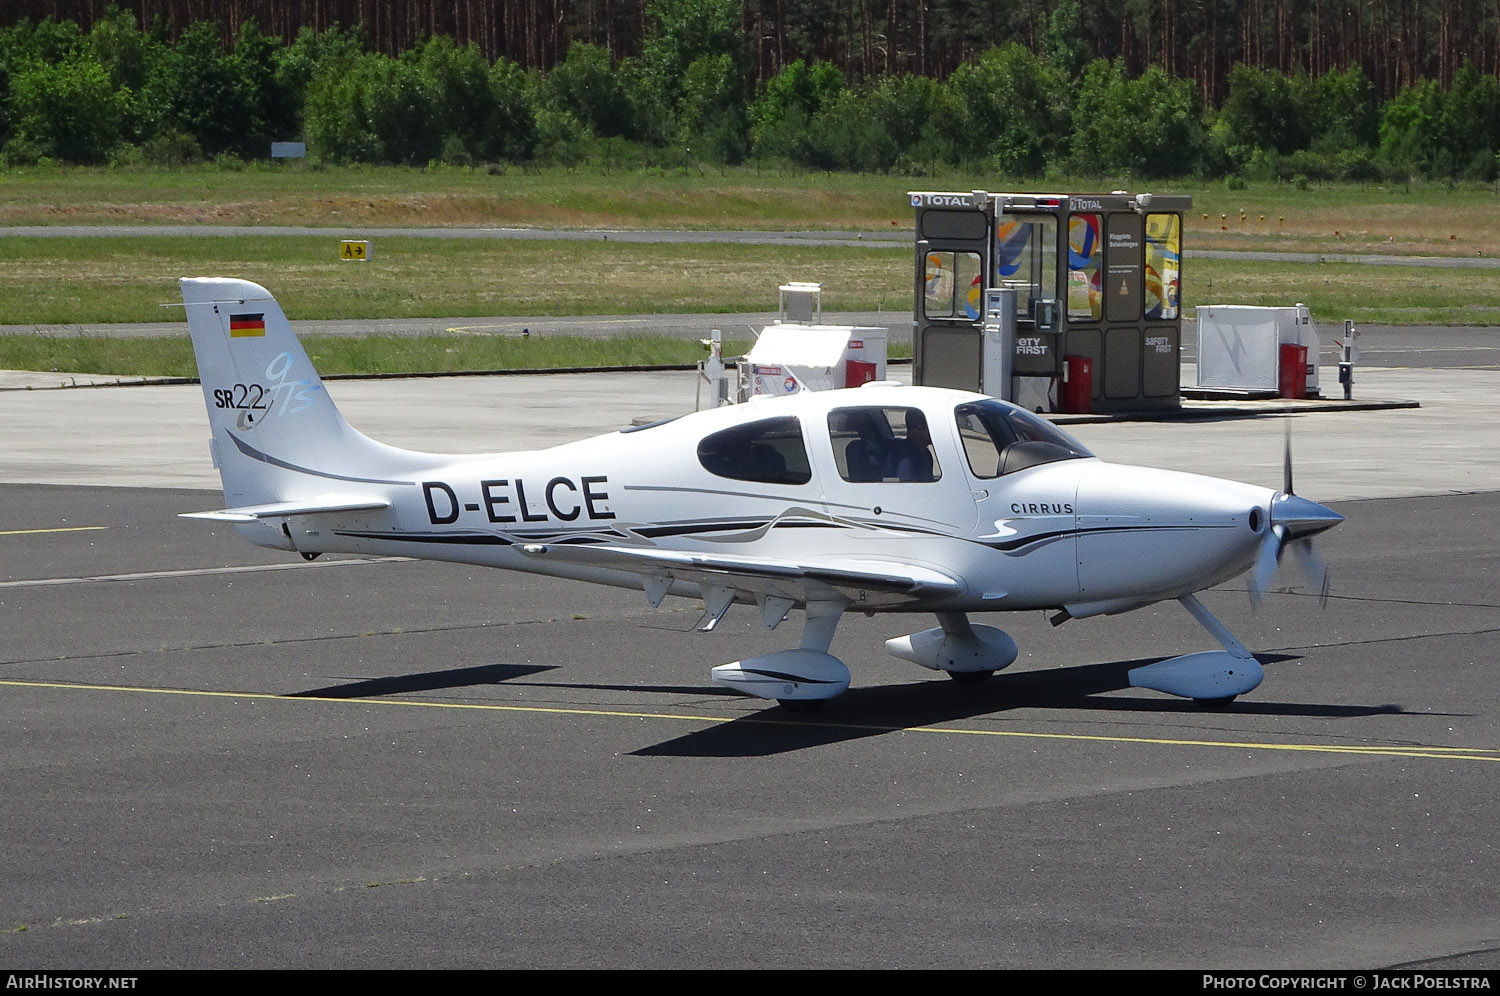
(882, 498)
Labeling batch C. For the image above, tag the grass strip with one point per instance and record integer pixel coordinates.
(1367, 294)
(88, 281)
(105, 280)
(172, 356)
(1408, 218)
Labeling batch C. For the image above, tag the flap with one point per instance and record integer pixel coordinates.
(861, 581)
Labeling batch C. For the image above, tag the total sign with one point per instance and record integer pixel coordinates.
(774, 380)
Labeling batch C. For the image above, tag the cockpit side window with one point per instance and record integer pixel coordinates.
(770, 451)
(1000, 439)
(882, 444)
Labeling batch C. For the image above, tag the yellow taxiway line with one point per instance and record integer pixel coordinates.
(1391, 750)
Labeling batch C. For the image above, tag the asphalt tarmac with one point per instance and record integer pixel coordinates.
(217, 756)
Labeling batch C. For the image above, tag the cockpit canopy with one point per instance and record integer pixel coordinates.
(1001, 439)
(886, 443)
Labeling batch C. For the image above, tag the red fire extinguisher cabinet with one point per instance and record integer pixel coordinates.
(1293, 373)
(1078, 385)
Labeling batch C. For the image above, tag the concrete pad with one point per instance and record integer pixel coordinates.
(157, 435)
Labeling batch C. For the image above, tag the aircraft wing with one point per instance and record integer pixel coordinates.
(311, 506)
(853, 580)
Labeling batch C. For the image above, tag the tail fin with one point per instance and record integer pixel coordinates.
(277, 436)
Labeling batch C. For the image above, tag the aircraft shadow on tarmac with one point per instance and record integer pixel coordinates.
(868, 712)
(482, 674)
(426, 681)
(860, 712)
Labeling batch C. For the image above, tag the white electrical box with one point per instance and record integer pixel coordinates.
(1239, 346)
(792, 357)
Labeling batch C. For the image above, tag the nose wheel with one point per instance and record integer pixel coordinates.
(1214, 678)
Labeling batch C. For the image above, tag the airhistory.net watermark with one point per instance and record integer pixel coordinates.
(59, 980)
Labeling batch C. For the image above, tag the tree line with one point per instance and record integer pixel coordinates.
(1394, 42)
(675, 81)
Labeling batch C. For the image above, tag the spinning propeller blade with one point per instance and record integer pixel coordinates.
(1266, 562)
(1286, 458)
(1294, 522)
(1313, 569)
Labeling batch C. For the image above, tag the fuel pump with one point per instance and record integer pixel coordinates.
(999, 351)
(1348, 354)
(714, 371)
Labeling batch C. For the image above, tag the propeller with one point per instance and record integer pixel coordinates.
(1294, 522)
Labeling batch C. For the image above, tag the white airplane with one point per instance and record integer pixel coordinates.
(882, 498)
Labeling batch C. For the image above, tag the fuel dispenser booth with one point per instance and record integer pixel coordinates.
(1058, 302)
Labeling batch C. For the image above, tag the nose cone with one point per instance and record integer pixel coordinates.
(1301, 517)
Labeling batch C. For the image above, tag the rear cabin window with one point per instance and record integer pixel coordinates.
(770, 451)
(882, 444)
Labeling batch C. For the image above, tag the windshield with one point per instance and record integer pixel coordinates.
(1002, 439)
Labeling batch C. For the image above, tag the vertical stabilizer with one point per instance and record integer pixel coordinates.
(277, 435)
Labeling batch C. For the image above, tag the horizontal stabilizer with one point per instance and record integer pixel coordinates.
(320, 505)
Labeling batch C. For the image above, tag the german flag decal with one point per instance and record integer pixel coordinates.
(246, 326)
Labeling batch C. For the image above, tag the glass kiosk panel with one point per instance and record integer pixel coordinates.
(953, 285)
(1026, 260)
(1085, 254)
(1163, 266)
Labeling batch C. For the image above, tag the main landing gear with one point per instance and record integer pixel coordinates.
(969, 653)
(802, 679)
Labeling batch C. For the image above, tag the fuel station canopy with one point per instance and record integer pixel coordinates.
(1097, 282)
